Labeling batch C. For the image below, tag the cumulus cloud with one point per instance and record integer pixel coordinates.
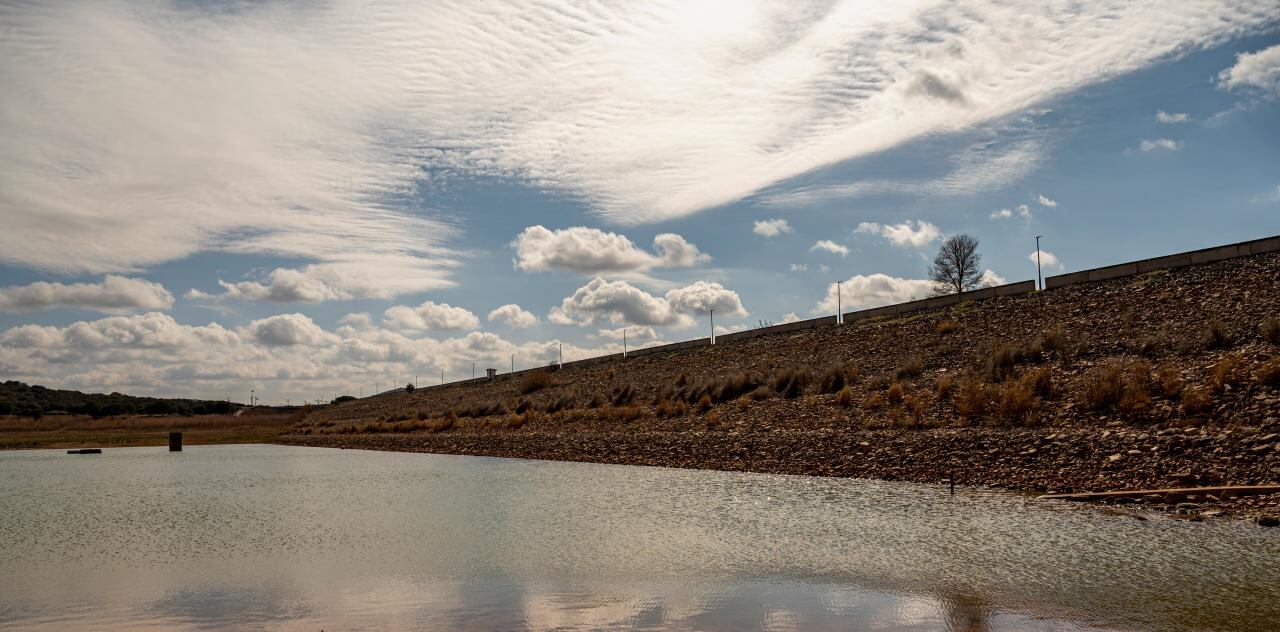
(332, 127)
(872, 290)
(770, 227)
(1169, 118)
(910, 233)
(1021, 210)
(618, 302)
(799, 267)
(288, 330)
(1047, 259)
(113, 294)
(593, 251)
(1159, 144)
(360, 321)
(1258, 70)
(789, 317)
(633, 335)
(832, 247)
(1044, 201)
(429, 316)
(991, 279)
(514, 316)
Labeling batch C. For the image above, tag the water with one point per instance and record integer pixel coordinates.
(252, 537)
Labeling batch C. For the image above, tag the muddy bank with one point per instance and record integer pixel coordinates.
(1032, 460)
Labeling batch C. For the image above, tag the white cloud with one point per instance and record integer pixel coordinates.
(113, 294)
(429, 315)
(830, 246)
(1047, 259)
(907, 234)
(1021, 210)
(1044, 201)
(991, 279)
(634, 335)
(1169, 118)
(771, 227)
(1257, 70)
(289, 330)
(619, 302)
(789, 317)
(330, 127)
(366, 276)
(514, 316)
(872, 290)
(593, 251)
(799, 267)
(152, 331)
(359, 321)
(1164, 144)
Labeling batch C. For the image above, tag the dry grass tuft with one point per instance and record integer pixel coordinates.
(1269, 373)
(790, 383)
(1228, 372)
(832, 379)
(682, 380)
(515, 420)
(1215, 336)
(534, 381)
(915, 409)
(912, 368)
(1055, 340)
(737, 384)
(1169, 380)
(563, 402)
(1001, 364)
(873, 402)
(1271, 330)
(844, 398)
(623, 395)
(1197, 400)
(1040, 381)
(704, 403)
(1017, 402)
(894, 393)
(971, 398)
(946, 326)
(944, 386)
(1104, 386)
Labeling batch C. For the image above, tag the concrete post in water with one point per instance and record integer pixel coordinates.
(175, 441)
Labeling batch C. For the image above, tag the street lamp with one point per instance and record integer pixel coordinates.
(713, 325)
(839, 307)
(1039, 279)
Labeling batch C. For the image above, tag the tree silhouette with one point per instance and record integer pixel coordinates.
(957, 267)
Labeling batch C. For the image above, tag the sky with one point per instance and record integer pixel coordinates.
(310, 199)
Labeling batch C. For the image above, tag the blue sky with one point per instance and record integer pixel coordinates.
(310, 200)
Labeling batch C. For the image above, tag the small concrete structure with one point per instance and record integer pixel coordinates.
(490, 374)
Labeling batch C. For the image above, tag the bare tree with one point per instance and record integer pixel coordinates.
(957, 267)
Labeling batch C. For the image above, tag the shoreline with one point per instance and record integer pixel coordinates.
(1032, 461)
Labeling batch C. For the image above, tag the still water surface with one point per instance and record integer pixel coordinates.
(253, 537)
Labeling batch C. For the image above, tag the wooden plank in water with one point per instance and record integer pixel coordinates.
(1236, 490)
(85, 451)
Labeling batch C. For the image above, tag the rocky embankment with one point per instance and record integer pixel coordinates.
(1170, 379)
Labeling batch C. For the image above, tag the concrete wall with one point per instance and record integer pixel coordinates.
(1182, 259)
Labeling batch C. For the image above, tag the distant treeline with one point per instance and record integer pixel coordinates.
(17, 398)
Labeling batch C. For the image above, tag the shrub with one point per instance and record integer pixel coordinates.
(662, 409)
(422, 415)
(946, 326)
(564, 402)
(623, 395)
(1001, 363)
(713, 419)
(873, 401)
(608, 375)
(595, 401)
(630, 413)
(762, 392)
(445, 423)
(534, 381)
(912, 368)
(844, 398)
(523, 406)
(1039, 382)
(1197, 400)
(1017, 402)
(944, 386)
(515, 420)
(1055, 340)
(682, 380)
(1229, 371)
(832, 379)
(1034, 352)
(1135, 402)
(679, 409)
(736, 385)
(1104, 386)
(894, 393)
(1215, 336)
(704, 403)
(408, 388)
(915, 408)
(1271, 330)
(484, 409)
(1170, 381)
(790, 383)
(1269, 373)
(971, 398)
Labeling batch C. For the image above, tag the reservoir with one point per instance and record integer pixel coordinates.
(274, 537)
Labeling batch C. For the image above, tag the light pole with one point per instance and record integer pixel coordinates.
(839, 306)
(513, 364)
(1039, 279)
(562, 355)
(473, 370)
(713, 325)
(624, 343)
(250, 397)
(441, 377)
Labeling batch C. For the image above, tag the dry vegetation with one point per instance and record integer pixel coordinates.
(57, 431)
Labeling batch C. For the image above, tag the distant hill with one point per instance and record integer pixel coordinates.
(17, 398)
